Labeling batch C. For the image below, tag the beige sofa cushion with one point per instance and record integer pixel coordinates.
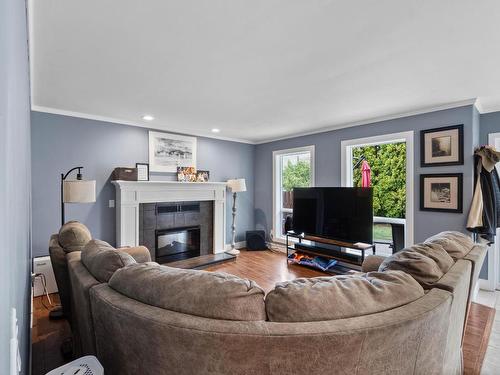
(455, 243)
(208, 294)
(73, 236)
(437, 253)
(422, 268)
(337, 297)
(102, 259)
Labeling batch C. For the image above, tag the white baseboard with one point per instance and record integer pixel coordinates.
(238, 245)
(484, 284)
(277, 246)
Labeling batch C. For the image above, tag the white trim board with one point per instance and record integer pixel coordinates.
(408, 137)
(493, 281)
(484, 284)
(237, 245)
(312, 150)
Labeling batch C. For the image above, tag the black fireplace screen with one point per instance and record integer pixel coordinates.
(176, 244)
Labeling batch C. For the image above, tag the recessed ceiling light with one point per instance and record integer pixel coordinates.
(148, 118)
(215, 130)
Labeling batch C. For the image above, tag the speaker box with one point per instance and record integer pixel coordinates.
(256, 240)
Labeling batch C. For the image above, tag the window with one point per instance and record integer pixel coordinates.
(391, 158)
(292, 168)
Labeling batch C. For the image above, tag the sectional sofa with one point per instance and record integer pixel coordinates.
(402, 315)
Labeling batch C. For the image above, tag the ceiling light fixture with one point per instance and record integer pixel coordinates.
(148, 118)
(215, 130)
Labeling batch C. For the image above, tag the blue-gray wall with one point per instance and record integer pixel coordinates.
(14, 179)
(60, 143)
(328, 166)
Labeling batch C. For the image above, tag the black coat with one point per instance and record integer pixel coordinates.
(490, 188)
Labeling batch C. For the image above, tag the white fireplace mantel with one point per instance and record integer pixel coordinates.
(129, 194)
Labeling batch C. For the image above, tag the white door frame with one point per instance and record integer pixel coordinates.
(346, 169)
(277, 177)
(493, 281)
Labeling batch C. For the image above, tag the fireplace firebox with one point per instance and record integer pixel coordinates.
(177, 243)
(176, 230)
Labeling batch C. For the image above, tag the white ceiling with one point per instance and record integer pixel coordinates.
(261, 69)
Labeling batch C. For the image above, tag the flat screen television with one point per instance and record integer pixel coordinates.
(338, 213)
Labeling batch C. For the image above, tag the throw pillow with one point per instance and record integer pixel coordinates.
(102, 260)
(73, 236)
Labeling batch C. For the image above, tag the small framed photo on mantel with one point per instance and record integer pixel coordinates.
(142, 171)
(442, 146)
(441, 192)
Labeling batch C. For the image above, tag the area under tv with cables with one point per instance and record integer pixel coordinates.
(332, 223)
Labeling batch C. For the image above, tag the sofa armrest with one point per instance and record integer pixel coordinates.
(476, 256)
(372, 263)
(141, 254)
(60, 268)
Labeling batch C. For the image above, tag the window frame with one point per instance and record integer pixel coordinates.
(277, 170)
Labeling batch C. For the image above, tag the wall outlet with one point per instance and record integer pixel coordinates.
(111, 203)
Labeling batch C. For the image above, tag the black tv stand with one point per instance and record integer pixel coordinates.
(349, 256)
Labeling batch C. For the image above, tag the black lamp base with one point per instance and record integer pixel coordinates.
(56, 313)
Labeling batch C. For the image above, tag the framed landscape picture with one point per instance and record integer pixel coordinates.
(442, 146)
(168, 151)
(441, 192)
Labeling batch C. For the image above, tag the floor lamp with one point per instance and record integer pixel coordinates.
(236, 186)
(76, 191)
(73, 191)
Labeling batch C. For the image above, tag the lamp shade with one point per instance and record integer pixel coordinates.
(79, 191)
(237, 185)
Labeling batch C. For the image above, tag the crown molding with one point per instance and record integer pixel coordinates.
(474, 102)
(490, 109)
(372, 120)
(151, 126)
(479, 105)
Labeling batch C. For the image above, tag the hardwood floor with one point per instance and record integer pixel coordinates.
(47, 336)
(266, 268)
(477, 334)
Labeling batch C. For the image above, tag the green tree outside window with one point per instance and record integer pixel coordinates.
(296, 175)
(388, 177)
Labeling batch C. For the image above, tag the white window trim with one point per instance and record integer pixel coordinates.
(276, 203)
(346, 169)
(493, 281)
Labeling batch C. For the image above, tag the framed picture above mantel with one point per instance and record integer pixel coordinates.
(442, 146)
(442, 192)
(168, 151)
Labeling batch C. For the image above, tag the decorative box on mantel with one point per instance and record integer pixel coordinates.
(129, 194)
